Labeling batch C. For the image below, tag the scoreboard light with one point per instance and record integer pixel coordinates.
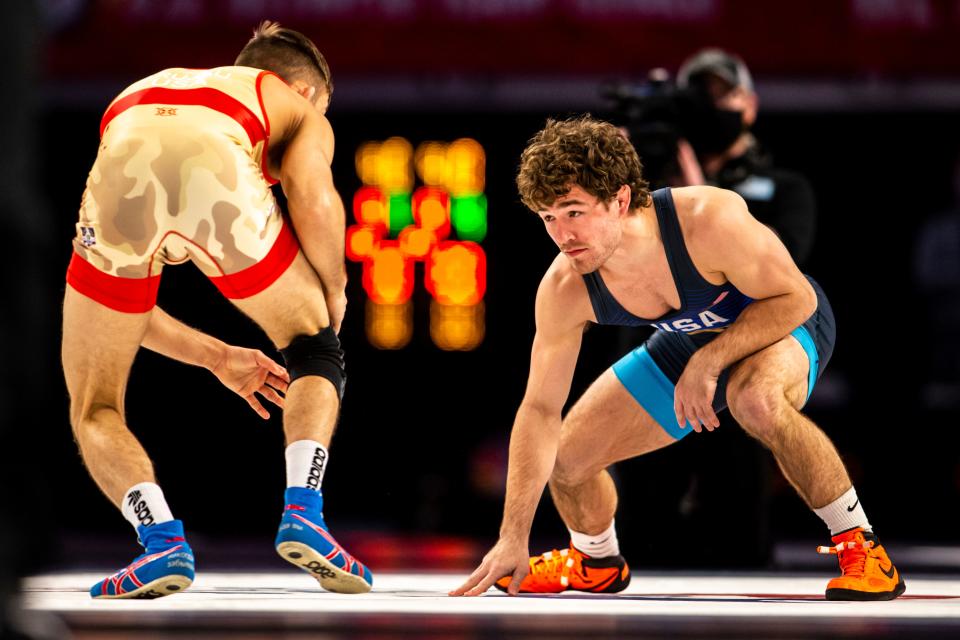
(465, 167)
(400, 213)
(395, 166)
(417, 243)
(431, 210)
(457, 327)
(456, 273)
(365, 162)
(362, 242)
(469, 216)
(388, 274)
(370, 208)
(431, 163)
(396, 228)
(389, 326)
(388, 165)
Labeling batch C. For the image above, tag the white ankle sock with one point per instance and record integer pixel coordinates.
(844, 513)
(306, 462)
(144, 504)
(601, 545)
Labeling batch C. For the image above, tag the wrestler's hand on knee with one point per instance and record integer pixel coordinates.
(506, 558)
(249, 371)
(693, 396)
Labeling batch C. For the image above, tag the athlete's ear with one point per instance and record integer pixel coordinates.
(304, 89)
(623, 199)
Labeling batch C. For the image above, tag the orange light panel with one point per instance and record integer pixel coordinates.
(388, 275)
(465, 167)
(417, 243)
(421, 220)
(388, 165)
(430, 160)
(370, 207)
(362, 242)
(365, 161)
(395, 166)
(431, 210)
(456, 273)
(389, 326)
(456, 327)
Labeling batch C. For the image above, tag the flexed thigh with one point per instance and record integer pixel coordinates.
(606, 425)
(292, 305)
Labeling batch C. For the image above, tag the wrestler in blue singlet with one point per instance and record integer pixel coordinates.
(651, 371)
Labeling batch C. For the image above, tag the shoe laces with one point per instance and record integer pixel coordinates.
(852, 555)
(554, 563)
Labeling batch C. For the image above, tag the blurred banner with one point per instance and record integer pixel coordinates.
(95, 39)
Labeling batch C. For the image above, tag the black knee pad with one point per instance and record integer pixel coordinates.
(318, 355)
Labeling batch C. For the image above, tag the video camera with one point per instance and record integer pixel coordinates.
(657, 114)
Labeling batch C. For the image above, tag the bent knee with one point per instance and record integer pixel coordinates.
(317, 355)
(88, 421)
(757, 407)
(568, 471)
(93, 405)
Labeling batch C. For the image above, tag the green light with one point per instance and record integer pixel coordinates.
(469, 216)
(401, 213)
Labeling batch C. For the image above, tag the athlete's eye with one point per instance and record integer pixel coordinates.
(574, 214)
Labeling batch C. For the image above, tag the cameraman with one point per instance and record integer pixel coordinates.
(731, 158)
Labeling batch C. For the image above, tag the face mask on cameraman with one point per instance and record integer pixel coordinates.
(703, 81)
(711, 130)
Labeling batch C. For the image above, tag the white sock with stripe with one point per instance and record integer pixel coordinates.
(602, 545)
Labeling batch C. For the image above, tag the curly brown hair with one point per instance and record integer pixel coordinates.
(582, 151)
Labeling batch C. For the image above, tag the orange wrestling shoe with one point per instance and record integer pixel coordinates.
(556, 571)
(867, 573)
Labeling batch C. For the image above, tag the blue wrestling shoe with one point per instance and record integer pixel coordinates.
(303, 540)
(166, 567)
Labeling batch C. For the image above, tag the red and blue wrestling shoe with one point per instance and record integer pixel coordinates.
(166, 567)
(303, 540)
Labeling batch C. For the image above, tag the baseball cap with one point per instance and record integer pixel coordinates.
(717, 62)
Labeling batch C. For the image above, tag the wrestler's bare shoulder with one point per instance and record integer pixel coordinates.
(287, 110)
(291, 115)
(563, 293)
(703, 210)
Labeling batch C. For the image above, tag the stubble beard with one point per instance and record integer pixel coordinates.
(593, 262)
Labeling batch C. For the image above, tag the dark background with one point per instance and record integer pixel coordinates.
(420, 451)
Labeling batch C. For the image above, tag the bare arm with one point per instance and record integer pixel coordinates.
(534, 439)
(169, 337)
(750, 256)
(536, 431)
(243, 371)
(315, 207)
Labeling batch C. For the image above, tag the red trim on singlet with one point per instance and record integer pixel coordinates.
(266, 122)
(203, 97)
(258, 277)
(138, 295)
(130, 295)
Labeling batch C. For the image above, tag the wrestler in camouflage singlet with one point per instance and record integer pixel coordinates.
(181, 175)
